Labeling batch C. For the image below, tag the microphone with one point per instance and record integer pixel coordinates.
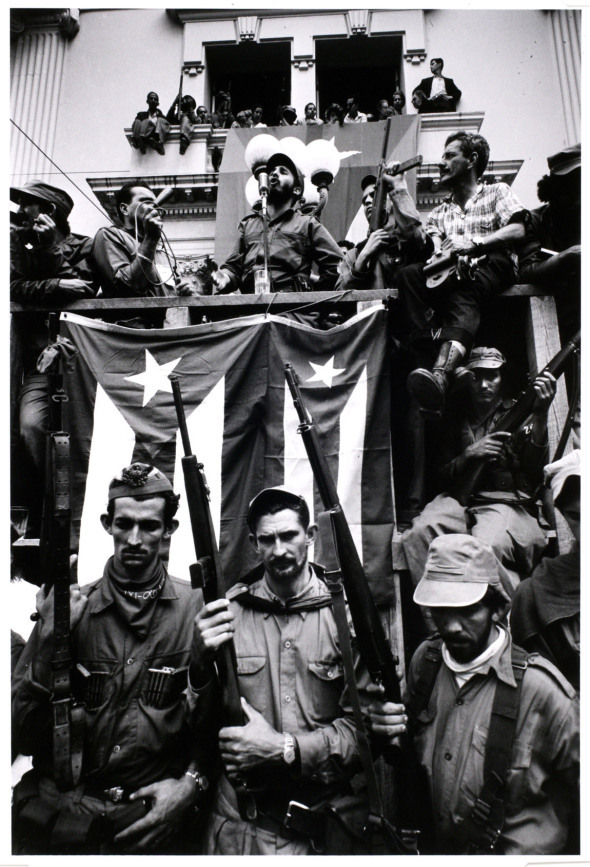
(263, 186)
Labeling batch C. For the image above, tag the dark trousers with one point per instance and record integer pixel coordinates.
(452, 310)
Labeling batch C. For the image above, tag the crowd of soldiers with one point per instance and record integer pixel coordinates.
(492, 721)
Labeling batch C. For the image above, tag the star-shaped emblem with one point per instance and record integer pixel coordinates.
(325, 372)
(155, 377)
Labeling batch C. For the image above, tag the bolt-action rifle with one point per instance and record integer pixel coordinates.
(54, 545)
(206, 575)
(513, 419)
(371, 640)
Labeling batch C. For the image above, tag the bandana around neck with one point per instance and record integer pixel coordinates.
(136, 600)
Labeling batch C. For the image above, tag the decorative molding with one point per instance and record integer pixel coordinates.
(247, 26)
(193, 67)
(303, 61)
(452, 121)
(67, 21)
(201, 200)
(415, 56)
(358, 22)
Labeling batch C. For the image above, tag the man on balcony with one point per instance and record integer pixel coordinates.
(295, 241)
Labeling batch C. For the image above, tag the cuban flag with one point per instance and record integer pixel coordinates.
(242, 426)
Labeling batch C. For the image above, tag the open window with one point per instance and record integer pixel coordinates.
(253, 73)
(370, 67)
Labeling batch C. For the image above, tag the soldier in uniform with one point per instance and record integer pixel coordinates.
(496, 729)
(298, 743)
(145, 733)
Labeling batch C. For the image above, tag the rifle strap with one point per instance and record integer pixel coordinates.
(67, 743)
(482, 828)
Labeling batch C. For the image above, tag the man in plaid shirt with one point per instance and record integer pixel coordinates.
(476, 220)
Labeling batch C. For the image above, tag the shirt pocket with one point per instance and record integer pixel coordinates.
(252, 673)
(326, 683)
(472, 774)
(92, 681)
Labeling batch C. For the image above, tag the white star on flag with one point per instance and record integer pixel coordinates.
(155, 377)
(325, 372)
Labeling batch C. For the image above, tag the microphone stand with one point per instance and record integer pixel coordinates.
(263, 189)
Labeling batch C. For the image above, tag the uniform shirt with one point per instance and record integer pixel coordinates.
(450, 738)
(492, 207)
(295, 242)
(129, 741)
(519, 469)
(290, 669)
(35, 273)
(122, 273)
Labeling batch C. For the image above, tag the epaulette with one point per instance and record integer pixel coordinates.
(236, 590)
(535, 660)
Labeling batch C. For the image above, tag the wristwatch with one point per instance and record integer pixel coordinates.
(289, 754)
(201, 782)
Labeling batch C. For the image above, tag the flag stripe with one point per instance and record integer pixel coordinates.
(350, 464)
(113, 442)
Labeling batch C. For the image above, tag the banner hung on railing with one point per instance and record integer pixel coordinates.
(242, 426)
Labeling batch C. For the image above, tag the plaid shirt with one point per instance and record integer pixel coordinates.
(492, 207)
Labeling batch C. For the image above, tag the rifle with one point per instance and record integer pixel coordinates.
(54, 546)
(371, 640)
(378, 216)
(514, 418)
(440, 267)
(206, 574)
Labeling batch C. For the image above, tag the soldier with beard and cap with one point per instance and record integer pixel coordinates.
(296, 241)
(147, 735)
(495, 729)
(299, 742)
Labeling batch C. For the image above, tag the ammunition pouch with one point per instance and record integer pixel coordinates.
(343, 825)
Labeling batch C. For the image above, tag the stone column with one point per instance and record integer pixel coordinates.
(34, 101)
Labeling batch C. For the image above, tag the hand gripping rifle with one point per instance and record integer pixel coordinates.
(206, 574)
(371, 640)
(513, 419)
(68, 716)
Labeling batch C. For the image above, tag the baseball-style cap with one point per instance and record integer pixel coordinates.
(557, 473)
(485, 356)
(280, 159)
(367, 181)
(565, 161)
(138, 480)
(46, 193)
(268, 497)
(459, 569)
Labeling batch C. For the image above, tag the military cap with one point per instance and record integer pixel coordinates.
(565, 161)
(268, 496)
(459, 569)
(485, 356)
(46, 193)
(280, 159)
(138, 480)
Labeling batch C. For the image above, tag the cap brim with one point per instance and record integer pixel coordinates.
(570, 167)
(445, 593)
(491, 365)
(17, 192)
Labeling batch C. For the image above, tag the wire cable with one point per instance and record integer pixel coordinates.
(80, 190)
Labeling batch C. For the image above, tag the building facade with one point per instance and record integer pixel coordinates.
(78, 77)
